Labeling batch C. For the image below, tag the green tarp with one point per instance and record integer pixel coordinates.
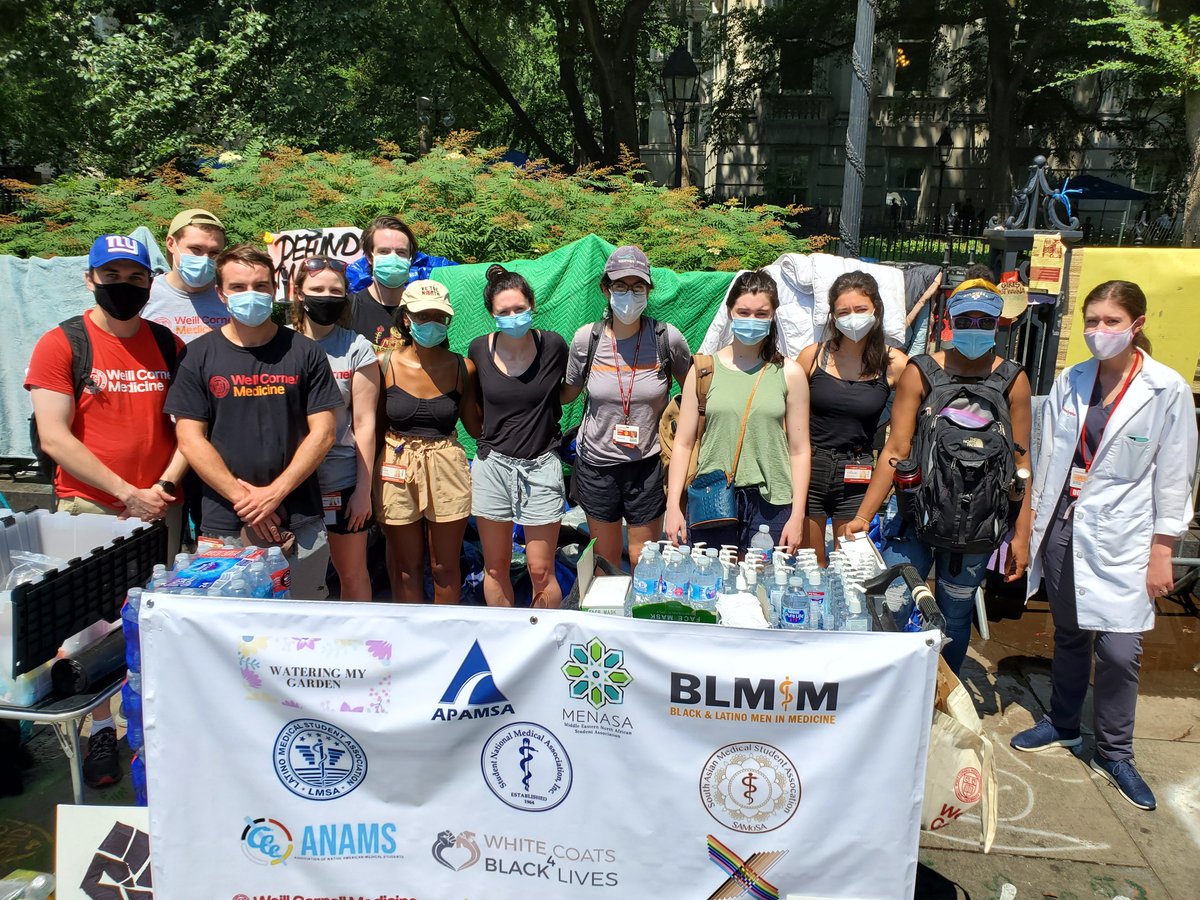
(566, 288)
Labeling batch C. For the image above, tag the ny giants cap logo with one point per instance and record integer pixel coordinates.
(218, 386)
(119, 244)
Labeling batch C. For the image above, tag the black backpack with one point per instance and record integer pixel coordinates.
(962, 504)
(81, 375)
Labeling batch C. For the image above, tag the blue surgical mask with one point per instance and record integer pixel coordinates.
(391, 270)
(197, 271)
(973, 342)
(251, 308)
(750, 331)
(428, 334)
(516, 325)
(628, 306)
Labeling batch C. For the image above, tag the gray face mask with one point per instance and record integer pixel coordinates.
(627, 306)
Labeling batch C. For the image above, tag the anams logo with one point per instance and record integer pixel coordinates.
(218, 386)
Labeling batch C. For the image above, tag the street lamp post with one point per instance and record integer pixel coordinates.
(429, 109)
(681, 88)
(945, 145)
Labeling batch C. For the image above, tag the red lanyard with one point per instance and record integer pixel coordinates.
(626, 399)
(1083, 447)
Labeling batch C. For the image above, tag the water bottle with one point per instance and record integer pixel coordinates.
(647, 576)
(729, 569)
(158, 577)
(718, 569)
(25, 884)
(131, 705)
(794, 612)
(762, 540)
(833, 599)
(816, 600)
(258, 580)
(238, 587)
(779, 586)
(857, 617)
(907, 480)
(702, 589)
(277, 568)
(137, 772)
(129, 625)
(677, 575)
(182, 561)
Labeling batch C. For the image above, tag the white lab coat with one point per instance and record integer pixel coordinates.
(1140, 485)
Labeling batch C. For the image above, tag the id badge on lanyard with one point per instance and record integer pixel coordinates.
(625, 435)
(332, 504)
(857, 474)
(393, 472)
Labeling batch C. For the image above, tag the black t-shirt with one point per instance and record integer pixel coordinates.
(256, 401)
(520, 415)
(370, 318)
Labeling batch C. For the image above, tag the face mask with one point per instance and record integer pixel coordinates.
(197, 271)
(517, 325)
(323, 309)
(121, 300)
(750, 331)
(428, 334)
(627, 306)
(251, 308)
(973, 342)
(855, 326)
(391, 270)
(1107, 344)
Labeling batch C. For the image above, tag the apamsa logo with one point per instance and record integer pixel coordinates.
(472, 692)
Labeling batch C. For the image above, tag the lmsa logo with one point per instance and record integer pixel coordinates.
(766, 694)
(472, 692)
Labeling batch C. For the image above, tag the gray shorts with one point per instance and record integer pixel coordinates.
(525, 491)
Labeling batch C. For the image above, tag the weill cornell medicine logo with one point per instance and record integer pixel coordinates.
(750, 787)
(472, 692)
(597, 679)
(318, 761)
(526, 767)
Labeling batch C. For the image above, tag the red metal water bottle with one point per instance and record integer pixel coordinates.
(907, 480)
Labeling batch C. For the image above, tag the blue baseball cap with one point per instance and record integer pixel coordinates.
(975, 299)
(109, 247)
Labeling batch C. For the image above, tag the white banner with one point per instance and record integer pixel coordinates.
(300, 750)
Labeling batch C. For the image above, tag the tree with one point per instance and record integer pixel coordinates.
(1160, 59)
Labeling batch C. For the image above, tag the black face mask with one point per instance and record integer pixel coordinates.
(322, 309)
(121, 300)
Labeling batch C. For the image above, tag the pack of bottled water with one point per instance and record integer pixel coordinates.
(252, 572)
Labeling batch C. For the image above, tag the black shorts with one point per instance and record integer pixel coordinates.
(632, 491)
(829, 497)
(336, 520)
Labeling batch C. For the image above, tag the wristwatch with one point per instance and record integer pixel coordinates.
(168, 486)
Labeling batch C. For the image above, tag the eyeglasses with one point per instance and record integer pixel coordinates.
(983, 323)
(638, 291)
(317, 263)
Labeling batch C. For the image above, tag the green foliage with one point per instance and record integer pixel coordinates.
(1161, 55)
(461, 203)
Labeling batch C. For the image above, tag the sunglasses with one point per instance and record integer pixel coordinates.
(983, 323)
(317, 263)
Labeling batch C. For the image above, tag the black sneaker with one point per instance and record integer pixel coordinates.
(101, 766)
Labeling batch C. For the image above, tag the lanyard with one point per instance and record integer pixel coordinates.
(1083, 447)
(626, 399)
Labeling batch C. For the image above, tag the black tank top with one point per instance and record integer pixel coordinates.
(425, 417)
(844, 415)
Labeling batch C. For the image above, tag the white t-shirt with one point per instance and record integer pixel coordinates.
(188, 315)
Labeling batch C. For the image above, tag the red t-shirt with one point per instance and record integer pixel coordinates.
(122, 423)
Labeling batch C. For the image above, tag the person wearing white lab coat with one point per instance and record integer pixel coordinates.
(1112, 491)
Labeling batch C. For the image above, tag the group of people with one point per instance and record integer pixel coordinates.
(303, 436)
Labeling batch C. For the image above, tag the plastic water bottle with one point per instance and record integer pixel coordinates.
(182, 561)
(677, 575)
(857, 618)
(647, 576)
(258, 580)
(238, 587)
(816, 600)
(702, 590)
(794, 612)
(129, 625)
(277, 568)
(718, 569)
(762, 540)
(158, 577)
(775, 594)
(137, 772)
(131, 705)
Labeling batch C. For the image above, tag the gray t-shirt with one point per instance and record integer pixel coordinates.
(188, 315)
(348, 352)
(643, 385)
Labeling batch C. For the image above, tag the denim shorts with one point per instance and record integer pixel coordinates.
(525, 491)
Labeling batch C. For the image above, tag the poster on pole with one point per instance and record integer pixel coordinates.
(320, 749)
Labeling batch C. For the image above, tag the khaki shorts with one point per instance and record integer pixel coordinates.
(437, 481)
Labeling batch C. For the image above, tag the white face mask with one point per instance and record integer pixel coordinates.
(855, 326)
(1107, 344)
(627, 306)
